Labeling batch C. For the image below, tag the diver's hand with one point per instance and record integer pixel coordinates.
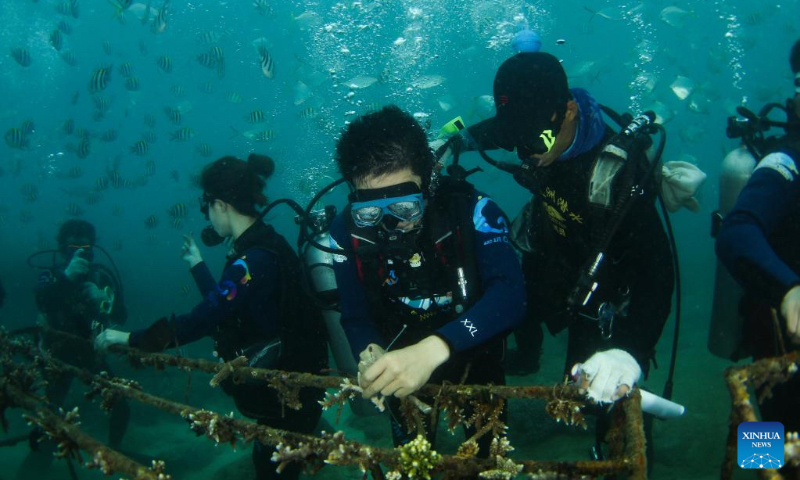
(190, 253)
(402, 372)
(790, 309)
(109, 337)
(607, 376)
(77, 266)
(93, 294)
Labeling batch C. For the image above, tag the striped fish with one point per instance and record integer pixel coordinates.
(125, 70)
(75, 172)
(115, 179)
(181, 135)
(109, 135)
(132, 84)
(208, 38)
(308, 113)
(204, 149)
(234, 97)
(150, 136)
(150, 121)
(151, 221)
(101, 103)
(207, 60)
(83, 149)
(260, 136)
(101, 183)
(178, 210)
(139, 148)
(100, 79)
(56, 39)
(207, 87)
(256, 116)
(177, 223)
(267, 64)
(69, 58)
(15, 138)
(69, 126)
(28, 127)
(173, 114)
(178, 90)
(64, 27)
(30, 192)
(150, 168)
(107, 47)
(21, 56)
(160, 21)
(73, 210)
(165, 64)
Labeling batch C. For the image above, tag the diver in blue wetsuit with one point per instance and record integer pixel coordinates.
(426, 273)
(758, 243)
(258, 308)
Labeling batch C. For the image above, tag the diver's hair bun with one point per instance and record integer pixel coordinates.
(794, 57)
(263, 165)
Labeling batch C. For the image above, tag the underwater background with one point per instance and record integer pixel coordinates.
(129, 100)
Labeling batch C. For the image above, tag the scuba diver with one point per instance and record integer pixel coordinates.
(258, 309)
(80, 297)
(758, 243)
(429, 284)
(596, 257)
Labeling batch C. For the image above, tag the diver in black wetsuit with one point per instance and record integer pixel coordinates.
(558, 133)
(758, 243)
(79, 297)
(426, 272)
(258, 308)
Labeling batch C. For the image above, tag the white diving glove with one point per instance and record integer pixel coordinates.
(679, 184)
(77, 266)
(607, 376)
(110, 337)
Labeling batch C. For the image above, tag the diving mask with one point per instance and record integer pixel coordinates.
(86, 251)
(403, 202)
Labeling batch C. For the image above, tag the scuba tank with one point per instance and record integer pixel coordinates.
(319, 267)
(318, 261)
(727, 323)
(725, 334)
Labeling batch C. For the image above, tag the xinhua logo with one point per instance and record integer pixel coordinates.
(760, 445)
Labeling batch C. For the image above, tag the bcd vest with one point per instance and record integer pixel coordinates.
(302, 335)
(417, 283)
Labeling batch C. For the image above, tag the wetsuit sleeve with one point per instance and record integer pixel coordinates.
(742, 244)
(357, 322)
(255, 271)
(203, 278)
(501, 307)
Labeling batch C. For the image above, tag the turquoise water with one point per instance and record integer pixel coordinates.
(434, 58)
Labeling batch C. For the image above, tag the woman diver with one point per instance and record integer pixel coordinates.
(258, 308)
